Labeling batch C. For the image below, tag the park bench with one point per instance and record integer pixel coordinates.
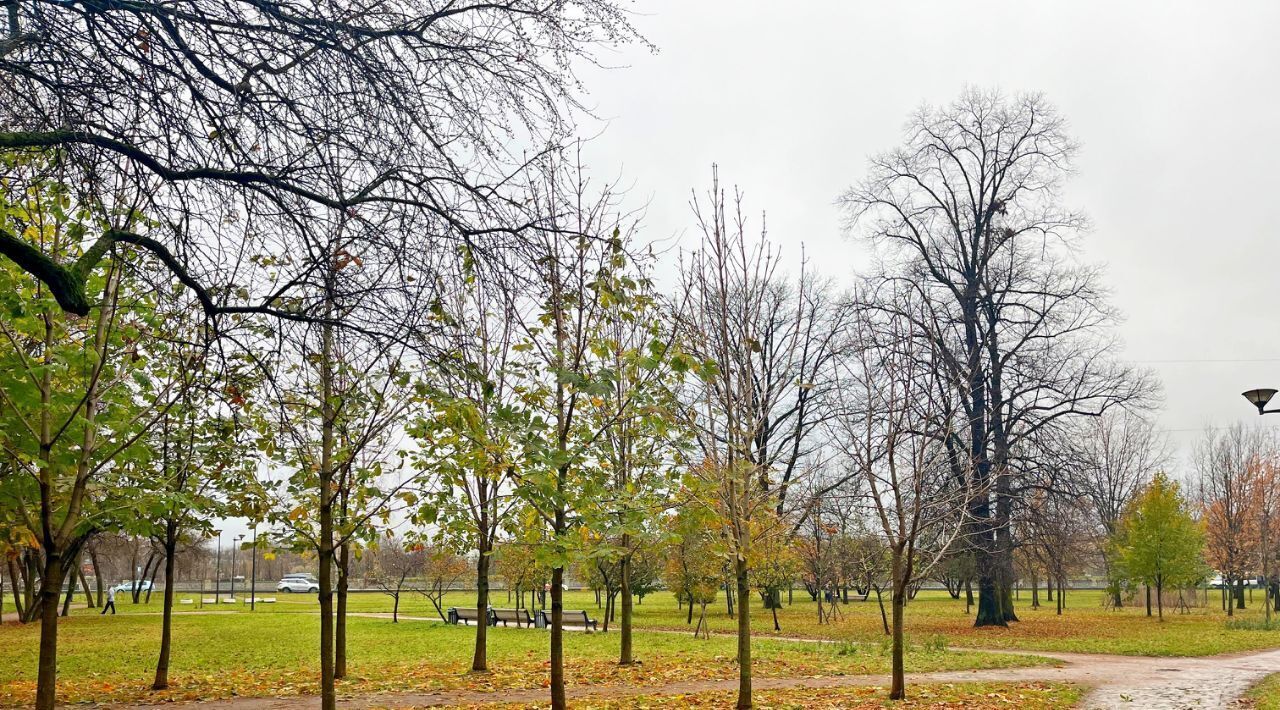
(185, 601)
(464, 615)
(260, 600)
(571, 617)
(519, 616)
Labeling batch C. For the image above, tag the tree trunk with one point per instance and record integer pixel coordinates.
(744, 633)
(154, 571)
(17, 598)
(340, 621)
(71, 588)
(884, 618)
(1160, 597)
(47, 674)
(166, 623)
(98, 581)
(480, 657)
(328, 694)
(32, 599)
(990, 601)
(898, 686)
(689, 620)
(558, 701)
(1148, 588)
(624, 571)
(84, 586)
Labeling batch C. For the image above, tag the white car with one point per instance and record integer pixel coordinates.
(303, 582)
(144, 586)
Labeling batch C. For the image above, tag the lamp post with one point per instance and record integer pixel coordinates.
(233, 566)
(253, 573)
(1259, 399)
(217, 570)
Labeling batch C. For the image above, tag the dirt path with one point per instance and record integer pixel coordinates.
(1130, 682)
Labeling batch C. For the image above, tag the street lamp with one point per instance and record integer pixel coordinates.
(233, 566)
(217, 570)
(1259, 399)
(253, 573)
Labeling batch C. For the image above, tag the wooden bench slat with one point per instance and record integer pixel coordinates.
(519, 616)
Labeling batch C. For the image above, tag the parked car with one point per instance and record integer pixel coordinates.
(301, 582)
(143, 586)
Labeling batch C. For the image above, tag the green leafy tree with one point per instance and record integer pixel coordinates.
(694, 567)
(76, 394)
(1160, 543)
(199, 471)
(337, 399)
(472, 432)
(581, 287)
(641, 442)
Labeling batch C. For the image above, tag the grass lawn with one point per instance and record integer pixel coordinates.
(1266, 695)
(1084, 627)
(274, 653)
(216, 655)
(975, 696)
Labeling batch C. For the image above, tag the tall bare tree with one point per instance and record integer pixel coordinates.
(968, 214)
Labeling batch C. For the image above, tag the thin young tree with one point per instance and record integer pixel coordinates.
(896, 416)
(580, 285)
(727, 325)
(1120, 451)
(473, 428)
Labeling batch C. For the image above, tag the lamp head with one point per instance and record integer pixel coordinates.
(1259, 397)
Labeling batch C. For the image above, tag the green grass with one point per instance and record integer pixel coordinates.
(1266, 695)
(1085, 626)
(274, 652)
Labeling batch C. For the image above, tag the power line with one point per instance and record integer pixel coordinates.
(1208, 360)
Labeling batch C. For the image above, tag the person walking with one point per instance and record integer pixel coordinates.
(111, 601)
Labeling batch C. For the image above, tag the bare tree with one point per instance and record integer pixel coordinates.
(895, 419)
(1231, 472)
(1119, 453)
(397, 568)
(731, 327)
(967, 214)
(244, 124)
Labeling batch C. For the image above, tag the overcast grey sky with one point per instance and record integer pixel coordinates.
(1174, 104)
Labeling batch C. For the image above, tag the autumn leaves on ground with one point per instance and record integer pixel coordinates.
(269, 652)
